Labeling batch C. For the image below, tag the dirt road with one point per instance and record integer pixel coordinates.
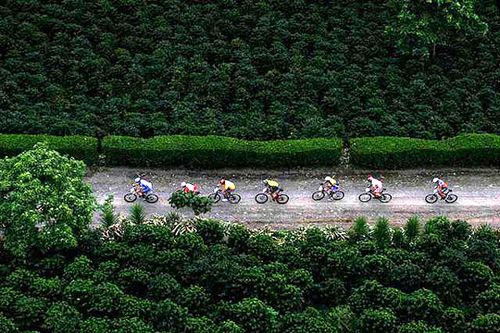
(478, 191)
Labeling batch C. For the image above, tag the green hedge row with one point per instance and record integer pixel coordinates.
(80, 147)
(217, 152)
(470, 150)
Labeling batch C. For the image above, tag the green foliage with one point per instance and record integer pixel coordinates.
(488, 323)
(400, 153)
(278, 69)
(254, 316)
(79, 147)
(360, 230)
(223, 278)
(45, 204)
(108, 215)
(423, 24)
(412, 228)
(377, 321)
(382, 233)
(199, 204)
(137, 214)
(215, 152)
(418, 327)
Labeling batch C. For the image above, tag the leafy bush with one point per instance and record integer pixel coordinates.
(488, 323)
(377, 321)
(400, 153)
(199, 204)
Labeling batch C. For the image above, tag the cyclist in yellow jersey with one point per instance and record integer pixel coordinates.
(226, 187)
(273, 187)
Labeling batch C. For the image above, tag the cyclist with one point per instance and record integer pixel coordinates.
(376, 186)
(272, 187)
(188, 187)
(330, 184)
(441, 187)
(227, 187)
(143, 186)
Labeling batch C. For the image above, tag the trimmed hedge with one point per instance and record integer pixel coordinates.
(80, 147)
(470, 150)
(217, 152)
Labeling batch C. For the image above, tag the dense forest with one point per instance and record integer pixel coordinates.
(248, 69)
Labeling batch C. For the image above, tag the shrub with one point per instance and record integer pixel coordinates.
(80, 147)
(382, 233)
(400, 153)
(377, 321)
(211, 231)
(7, 325)
(475, 277)
(199, 204)
(254, 316)
(423, 305)
(488, 323)
(216, 152)
(62, 318)
(360, 230)
(168, 316)
(418, 327)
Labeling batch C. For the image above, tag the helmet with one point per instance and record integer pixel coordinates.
(370, 177)
(183, 184)
(138, 179)
(265, 181)
(222, 181)
(328, 179)
(435, 180)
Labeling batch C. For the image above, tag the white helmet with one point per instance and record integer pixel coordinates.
(435, 180)
(183, 184)
(137, 179)
(328, 179)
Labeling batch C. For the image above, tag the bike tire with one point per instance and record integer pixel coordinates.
(431, 198)
(130, 197)
(282, 199)
(318, 195)
(365, 197)
(339, 195)
(234, 198)
(451, 198)
(261, 198)
(152, 198)
(385, 198)
(215, 197)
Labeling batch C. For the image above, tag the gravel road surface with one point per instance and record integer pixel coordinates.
(478, 191)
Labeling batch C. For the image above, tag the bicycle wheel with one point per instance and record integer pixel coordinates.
(130, 197)
(365, 197)
(385, 198)
(234, 198)
(215, 197)
(451, 198)
(339, 195)
(151, 198)
(282, 199)
(431, 198)
(318, 195)
(261, 198)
